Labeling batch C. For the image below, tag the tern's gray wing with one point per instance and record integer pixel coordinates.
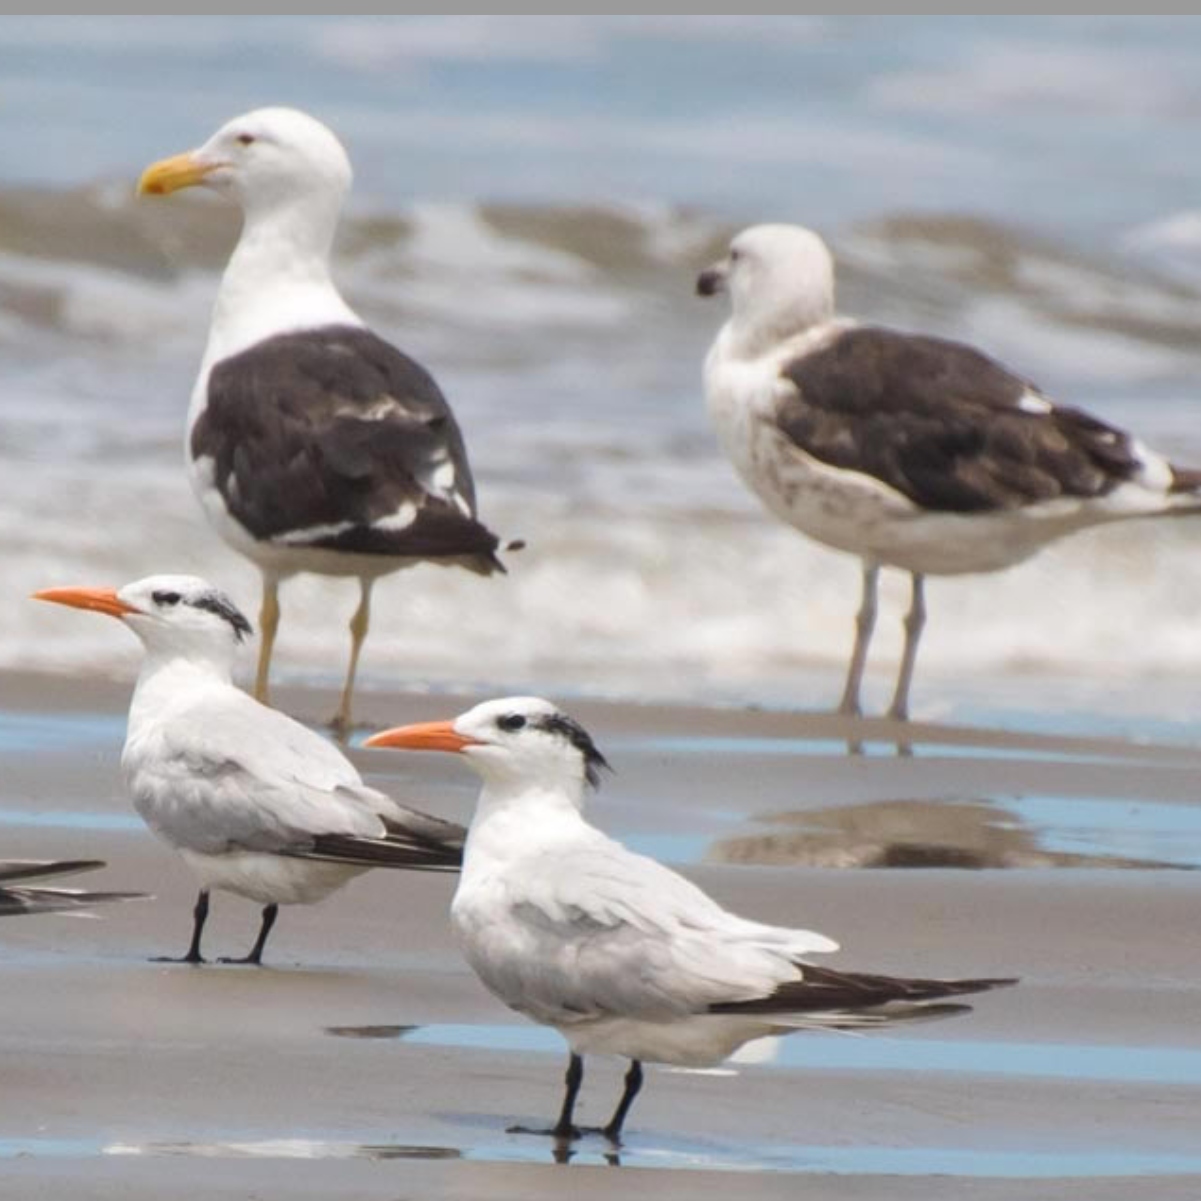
(604, 931)
(224, 773)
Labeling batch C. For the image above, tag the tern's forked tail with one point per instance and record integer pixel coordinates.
(425, 844)
(821, 988)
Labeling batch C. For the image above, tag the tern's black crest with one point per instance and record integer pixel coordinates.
(565, 727)
(219, 603)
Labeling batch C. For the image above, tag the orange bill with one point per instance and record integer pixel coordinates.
(101, 600)
(170, 174)
(424, 736)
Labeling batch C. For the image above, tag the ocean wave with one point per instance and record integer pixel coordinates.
(719, 602)
(570, 343)
(62, 251)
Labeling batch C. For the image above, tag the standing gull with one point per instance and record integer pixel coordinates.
(254, 802)
(907, 451)
(312, 444)
(617, 952)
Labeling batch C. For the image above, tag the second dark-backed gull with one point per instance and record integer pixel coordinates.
(313, 445)
(907, 451)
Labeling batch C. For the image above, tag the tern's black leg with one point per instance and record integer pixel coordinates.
(270, 913)
(199, 916)
(565, 1127)
(633, 1085)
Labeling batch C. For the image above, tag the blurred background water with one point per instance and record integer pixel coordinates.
(533, 198)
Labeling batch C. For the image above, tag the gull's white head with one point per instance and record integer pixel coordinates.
(520, 740)
(175, 615)
(265, 160)
(780, 279)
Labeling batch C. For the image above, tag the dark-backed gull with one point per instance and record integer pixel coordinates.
(908, 451)
(313, 445)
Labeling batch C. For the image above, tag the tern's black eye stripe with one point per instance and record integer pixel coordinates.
(511, 721)
(165, 598)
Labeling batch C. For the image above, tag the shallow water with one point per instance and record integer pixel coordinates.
(682, 1155)
(1165, 1065)
(1130, 829)
(1132, 832)
(651, 1151)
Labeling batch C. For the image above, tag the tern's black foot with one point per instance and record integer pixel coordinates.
(244, 960)
(194, 960)
(563, 1134)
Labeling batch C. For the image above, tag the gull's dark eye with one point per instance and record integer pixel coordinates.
(246, 139)
(735, 255)
(165, 598)
(511, 721)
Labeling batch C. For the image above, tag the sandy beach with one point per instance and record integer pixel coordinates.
(365, 1060)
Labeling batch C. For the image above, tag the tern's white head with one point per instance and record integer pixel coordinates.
(271, 162)
(517, 740)
(780, 279)
(175, 616)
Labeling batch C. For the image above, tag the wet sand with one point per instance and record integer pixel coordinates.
(365, 1060)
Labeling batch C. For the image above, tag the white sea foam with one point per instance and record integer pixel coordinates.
(714, 603)
(467, 274)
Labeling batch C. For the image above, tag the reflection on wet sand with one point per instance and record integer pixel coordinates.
(908, 833)
(385, 1032)
(285, 1148)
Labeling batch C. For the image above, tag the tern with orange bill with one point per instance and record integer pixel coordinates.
(255, 803)
(313, 445)
(620, 954)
